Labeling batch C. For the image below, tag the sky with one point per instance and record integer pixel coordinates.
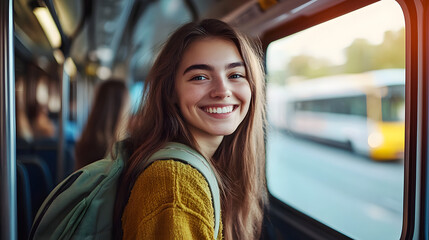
(328, 40)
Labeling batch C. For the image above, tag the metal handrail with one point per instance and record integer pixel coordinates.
(8, 209)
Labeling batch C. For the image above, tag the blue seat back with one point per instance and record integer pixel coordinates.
(40, 179)
(24, 208)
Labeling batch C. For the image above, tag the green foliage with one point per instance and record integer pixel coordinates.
(361, 56)
(391, 54)
(309, 66)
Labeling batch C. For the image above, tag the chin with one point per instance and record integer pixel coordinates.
(223, 132)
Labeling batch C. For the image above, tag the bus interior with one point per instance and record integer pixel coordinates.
(346, 89)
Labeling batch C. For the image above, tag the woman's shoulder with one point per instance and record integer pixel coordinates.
(169, 187)
(171, 178)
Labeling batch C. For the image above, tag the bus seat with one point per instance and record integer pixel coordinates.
(23, 147)
(40, 178)
(24, 208)
(47, 150)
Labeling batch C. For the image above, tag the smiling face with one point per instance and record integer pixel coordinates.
(212, 90)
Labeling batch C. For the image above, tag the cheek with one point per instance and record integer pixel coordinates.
(245, 95)
(187, 98)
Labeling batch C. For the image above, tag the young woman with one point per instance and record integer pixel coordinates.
(106, 122)
(204, 90)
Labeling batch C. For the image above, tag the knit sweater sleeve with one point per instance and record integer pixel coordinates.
(169, 200)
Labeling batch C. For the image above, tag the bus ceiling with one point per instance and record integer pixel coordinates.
(123, 35)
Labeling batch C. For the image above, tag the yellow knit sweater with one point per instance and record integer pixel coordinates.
(170, 200)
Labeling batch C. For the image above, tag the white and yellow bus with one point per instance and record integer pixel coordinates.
(364, 112)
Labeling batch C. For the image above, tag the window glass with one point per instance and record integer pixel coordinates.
(336, 121)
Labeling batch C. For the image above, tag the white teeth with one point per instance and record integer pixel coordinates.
(227, 109)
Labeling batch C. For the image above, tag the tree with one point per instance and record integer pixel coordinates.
(363, 56)
(359, 56)
(391, 53)
(308, 66)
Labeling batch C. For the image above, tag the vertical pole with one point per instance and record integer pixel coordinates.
(65, 89)
(7, 124)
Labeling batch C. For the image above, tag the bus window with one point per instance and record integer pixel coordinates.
(336, 107)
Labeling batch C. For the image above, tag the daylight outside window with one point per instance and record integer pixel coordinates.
(336, 109)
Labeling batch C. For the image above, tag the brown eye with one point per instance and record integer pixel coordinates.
(236, 76)
(198, 78)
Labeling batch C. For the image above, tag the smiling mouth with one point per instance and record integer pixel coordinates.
(220, 110)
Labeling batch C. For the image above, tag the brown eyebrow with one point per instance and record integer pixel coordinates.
(198, 66)
(234, 65)
(210, 68)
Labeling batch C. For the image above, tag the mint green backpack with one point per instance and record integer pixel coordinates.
(81, 206)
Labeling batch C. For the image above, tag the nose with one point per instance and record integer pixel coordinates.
(221, 88)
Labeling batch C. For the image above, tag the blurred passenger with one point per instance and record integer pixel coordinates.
(106, 122)
(23, 127)
(38, 111)
(42, 125)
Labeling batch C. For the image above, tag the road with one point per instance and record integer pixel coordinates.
(355, 195)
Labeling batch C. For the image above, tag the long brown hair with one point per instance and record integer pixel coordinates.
(239, 161)
(103, 122)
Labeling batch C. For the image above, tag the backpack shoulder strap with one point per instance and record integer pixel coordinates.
(173, 150)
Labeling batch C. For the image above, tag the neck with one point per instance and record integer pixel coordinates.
(208, 145)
